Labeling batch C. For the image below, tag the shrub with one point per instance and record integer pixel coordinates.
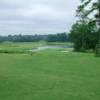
(82, 49)
(97, 50)
(12, 51)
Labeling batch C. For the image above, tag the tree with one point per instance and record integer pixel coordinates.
(82, 11)
(84, 36)
(59, 37)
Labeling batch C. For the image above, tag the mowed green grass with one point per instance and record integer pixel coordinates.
(49, 75)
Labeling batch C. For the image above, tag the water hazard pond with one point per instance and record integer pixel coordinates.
(66, 48)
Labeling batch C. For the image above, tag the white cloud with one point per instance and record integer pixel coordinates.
(36, 16)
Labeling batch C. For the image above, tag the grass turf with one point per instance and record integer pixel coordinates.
(49, 75)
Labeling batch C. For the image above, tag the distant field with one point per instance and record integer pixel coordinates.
(49, 75)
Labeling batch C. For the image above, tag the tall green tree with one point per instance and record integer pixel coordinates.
(82, 12)
(95, 6)
(84, 36)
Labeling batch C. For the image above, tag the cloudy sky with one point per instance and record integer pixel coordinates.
(36, 16)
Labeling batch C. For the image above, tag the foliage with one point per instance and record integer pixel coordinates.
(22, 38)
(84, 36)
(57, 37)
(97, 51)
(95, 6)
(85, 33)
(94, 9)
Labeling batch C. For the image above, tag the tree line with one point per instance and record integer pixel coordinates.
(59, 37)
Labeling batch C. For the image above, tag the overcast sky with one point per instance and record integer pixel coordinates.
(36, 16)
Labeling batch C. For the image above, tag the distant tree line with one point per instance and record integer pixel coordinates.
(59, 37)
(22, 38)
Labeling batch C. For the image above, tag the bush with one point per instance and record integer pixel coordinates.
(12, 51)
(82, 49)
(97, 50)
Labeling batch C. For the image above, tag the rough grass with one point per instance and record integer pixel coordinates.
(49, 75)
(25, 47)
(9, 47)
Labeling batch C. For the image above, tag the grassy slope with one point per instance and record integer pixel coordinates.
(49, 75)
